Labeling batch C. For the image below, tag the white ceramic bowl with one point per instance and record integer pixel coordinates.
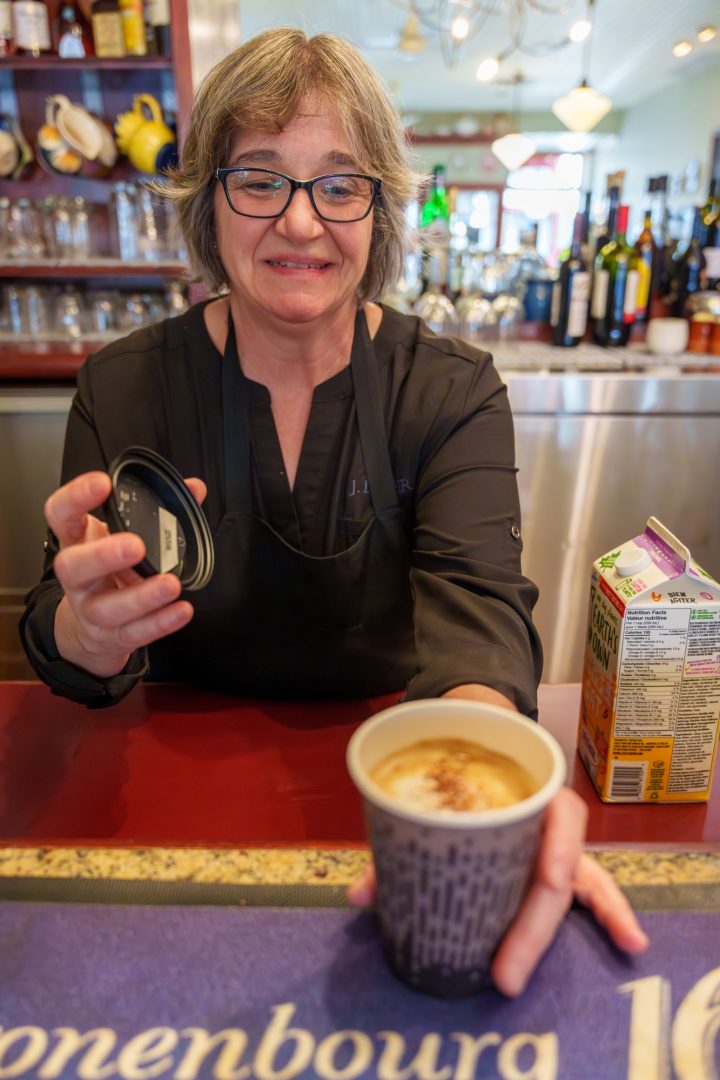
(667, 337)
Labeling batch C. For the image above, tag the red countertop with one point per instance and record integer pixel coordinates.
(172, 766)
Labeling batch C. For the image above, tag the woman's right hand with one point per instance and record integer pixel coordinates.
(108, 610)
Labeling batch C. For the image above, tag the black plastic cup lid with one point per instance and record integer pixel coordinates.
(149, 497)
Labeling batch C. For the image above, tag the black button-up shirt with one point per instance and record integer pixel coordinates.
(452, 453)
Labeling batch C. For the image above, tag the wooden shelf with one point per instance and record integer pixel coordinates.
(88, 63)
(44, 361)
(109, 268)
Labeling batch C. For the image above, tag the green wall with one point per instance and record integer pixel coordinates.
(665, 133)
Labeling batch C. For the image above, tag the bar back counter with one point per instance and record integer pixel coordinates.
(597, 452)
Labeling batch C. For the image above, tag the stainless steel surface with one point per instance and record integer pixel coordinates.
(621, 394)
(597, 455)
(32, 430)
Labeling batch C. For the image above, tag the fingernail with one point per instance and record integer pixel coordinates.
(130, 549)
(514, 979)
(169, 588)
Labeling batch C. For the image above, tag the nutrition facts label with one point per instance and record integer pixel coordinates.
(669, 686)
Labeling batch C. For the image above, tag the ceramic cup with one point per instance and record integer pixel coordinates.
(449, 884)
(15, 153)
(667, 337)
(9, 153)
(78, 127)
(144, 136)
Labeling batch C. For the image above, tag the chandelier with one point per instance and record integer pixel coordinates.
(458, 21)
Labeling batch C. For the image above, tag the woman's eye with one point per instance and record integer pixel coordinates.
(338, 191)
(260, 187)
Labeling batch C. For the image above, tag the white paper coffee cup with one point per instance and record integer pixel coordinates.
(449, 884)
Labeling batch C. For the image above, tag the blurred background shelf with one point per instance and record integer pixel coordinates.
(69, 271)
(86, 63)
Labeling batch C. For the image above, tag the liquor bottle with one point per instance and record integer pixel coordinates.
(158, 15)
(615, 288)
(646, 249)
(609, 231)
(688, 275)
(133, 23)
(711, 221)
(435, 231)
(73, 35)
(7, 35)
(709, 210)
(586, 248)
(571, 293)
(107, 28)
(31, 26)
(436, 207)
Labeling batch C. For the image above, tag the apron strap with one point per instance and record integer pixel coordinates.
(371, 420)
(236, 427)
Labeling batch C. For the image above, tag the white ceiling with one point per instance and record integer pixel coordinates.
(631, 50)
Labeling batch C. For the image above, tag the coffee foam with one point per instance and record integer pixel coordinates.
(453, 775)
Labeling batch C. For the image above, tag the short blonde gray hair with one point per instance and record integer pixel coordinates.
(259, 87)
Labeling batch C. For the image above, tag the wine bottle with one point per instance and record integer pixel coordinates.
(571, 293)
(646, 249)
(709, 210)
(436, 206)
(615, 288)
(688, 276)
(435, 231)
(158, 15)
(107, 28)
(7, 35)
(608, 232)
(711, 221)
(73, 36)
(133, 23)
(31, 27)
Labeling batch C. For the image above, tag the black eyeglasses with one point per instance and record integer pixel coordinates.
(262, 193)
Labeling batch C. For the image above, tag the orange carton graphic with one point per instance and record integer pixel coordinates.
(650, 703)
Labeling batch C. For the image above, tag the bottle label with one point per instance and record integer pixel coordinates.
(32, 28)
(133, 27)
(600, 294)
(108, 34)
(70, 46)
(6, 26)
(578, 305)
(555, 304)
(631, 291)
(644, 272)
(159, 12)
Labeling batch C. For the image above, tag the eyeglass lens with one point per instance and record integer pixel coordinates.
(261, 193)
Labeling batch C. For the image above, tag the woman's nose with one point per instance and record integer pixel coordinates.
(300, 221)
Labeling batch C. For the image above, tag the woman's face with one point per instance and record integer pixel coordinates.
(328, 258)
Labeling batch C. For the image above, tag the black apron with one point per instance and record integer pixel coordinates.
(275, 622)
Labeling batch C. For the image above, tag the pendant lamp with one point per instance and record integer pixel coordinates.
(514, 149)
(583, 107)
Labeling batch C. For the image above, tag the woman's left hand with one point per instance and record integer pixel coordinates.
(562, 873)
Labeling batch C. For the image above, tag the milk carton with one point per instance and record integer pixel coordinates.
(651, 676)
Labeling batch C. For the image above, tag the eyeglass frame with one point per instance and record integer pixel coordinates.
(295, 186)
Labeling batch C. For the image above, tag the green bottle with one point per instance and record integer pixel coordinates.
(615, 286)
(436, 207)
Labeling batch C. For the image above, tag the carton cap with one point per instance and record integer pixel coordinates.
(631, 561)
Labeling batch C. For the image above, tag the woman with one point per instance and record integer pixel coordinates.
(358, 472)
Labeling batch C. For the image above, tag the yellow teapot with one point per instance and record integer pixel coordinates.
(149, 143)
